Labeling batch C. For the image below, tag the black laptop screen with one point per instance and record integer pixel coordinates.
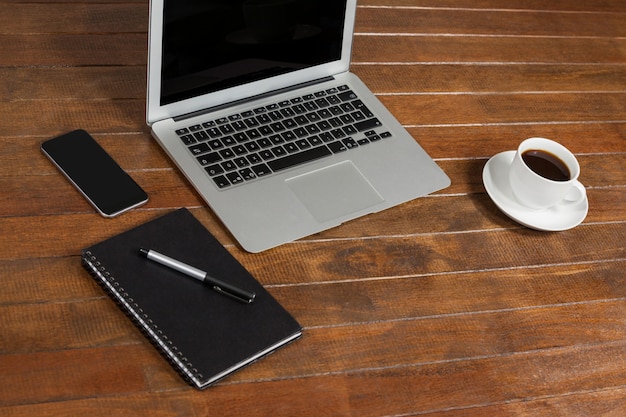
(211, 45)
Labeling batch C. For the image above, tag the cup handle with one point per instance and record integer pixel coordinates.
(576, 194)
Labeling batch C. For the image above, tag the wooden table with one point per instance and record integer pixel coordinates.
(441, 307)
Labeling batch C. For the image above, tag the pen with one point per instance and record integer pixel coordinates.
(216, 284)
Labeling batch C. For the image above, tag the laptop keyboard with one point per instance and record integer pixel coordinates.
(256, 143)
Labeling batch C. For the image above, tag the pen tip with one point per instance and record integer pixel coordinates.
(143, 251)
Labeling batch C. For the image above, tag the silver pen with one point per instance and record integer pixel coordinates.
(218, 285)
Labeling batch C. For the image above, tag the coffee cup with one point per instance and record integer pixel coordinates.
(544, 174)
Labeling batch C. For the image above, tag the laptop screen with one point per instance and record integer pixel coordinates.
(211, 45)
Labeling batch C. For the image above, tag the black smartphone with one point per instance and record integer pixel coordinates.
(94, 172)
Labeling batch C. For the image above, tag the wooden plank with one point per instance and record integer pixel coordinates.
(166, 187)
(476, 78)
(518, 5)
(74, 50)
(473, 49)
(421, 110)
(343, 331)
(610, 403)
(128, 82)
(398, 389)
(456, 21)
(83, 83)
(452, 142)
(28, 19)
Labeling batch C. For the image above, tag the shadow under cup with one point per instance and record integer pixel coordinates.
(536, 191)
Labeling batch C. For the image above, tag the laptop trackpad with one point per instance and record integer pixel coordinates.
(334, 191)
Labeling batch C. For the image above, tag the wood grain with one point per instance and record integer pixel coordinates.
(442, 306)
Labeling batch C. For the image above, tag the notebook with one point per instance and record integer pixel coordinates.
(254, 102)
(204, 334)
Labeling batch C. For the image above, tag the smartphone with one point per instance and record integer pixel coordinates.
(94, 173)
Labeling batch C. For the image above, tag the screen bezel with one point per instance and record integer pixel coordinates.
(155, 111)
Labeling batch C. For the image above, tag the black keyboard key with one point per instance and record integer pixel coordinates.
(322, 102)
(181, 132)
(266, 154)
(254, 158)
(338, 133)
(312, 129)
(261, 170)
(327, 137)
(227, 153)
(228, 141)
(265, 131)
(234, 177)
(310, 106)
(301, 120)
(276, 139)
(214, 170)
(199, 148)
(229, 166)
(239, 149)
(264, 142)
(188, 139)
(215, 144)
(221, 181)
(303, 144)
(201, 135)
(289, 123)
(241, 137)
(247, 174)
(361, 106)
(291, 147)
(279, 151)
(275, 115)
(333, 99)
(241, 162)
(300, 132)
(239, 125)
(263, 119)
(227, 129)
(299, 158)
(350, 130)
(214, 132)
(313, 117)
(367, 124)
(347, 95)
(337, 147)
(209, 158)
(252, 146)
(350, 143)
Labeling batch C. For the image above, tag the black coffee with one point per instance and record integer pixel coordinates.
(546, 164)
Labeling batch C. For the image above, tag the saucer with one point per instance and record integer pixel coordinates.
(556, 218)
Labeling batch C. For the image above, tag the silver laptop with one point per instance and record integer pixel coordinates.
(254, 102)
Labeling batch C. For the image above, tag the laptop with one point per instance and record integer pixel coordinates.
(254, 102)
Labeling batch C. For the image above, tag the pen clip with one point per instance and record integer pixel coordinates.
(237, 297)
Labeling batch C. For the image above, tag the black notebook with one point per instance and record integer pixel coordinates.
(204, 334)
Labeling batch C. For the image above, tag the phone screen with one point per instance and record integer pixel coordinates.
(94, 172)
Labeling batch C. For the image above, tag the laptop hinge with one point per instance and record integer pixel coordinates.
(250, 99)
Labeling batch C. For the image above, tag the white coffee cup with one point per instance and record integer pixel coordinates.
(539, 190)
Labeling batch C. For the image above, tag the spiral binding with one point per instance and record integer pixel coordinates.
(141, 319)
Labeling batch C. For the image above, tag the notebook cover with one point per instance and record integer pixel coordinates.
(204, 334)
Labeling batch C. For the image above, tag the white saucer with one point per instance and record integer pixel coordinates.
(557, 218)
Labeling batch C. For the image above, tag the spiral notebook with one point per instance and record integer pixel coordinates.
(205, 335)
